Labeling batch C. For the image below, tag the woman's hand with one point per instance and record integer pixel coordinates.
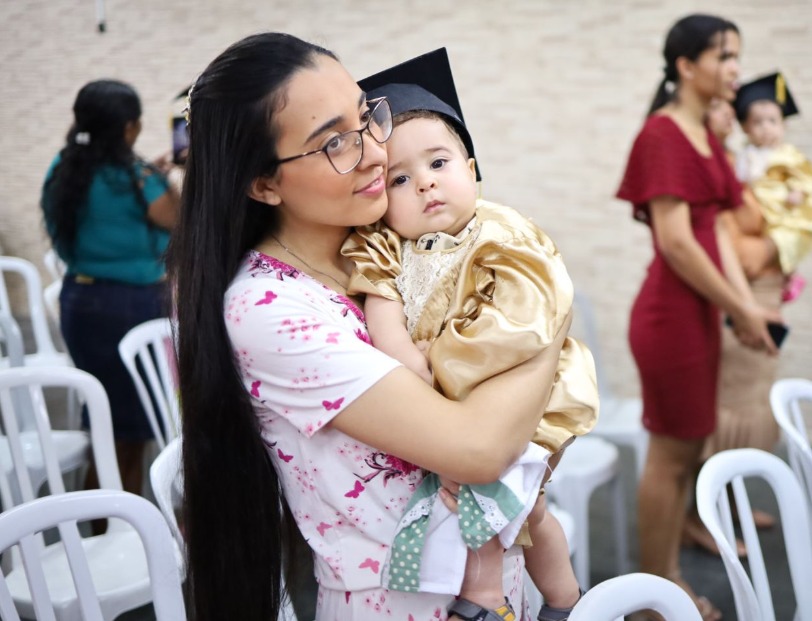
(750, 327)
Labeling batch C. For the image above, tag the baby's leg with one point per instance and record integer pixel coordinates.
(548, 559)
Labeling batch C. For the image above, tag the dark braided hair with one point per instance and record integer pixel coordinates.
(688, 38)
(102, 110)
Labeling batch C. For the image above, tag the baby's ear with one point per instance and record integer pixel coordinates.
(263, 189)
(472, 167)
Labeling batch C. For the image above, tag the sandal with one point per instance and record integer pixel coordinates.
(469, 611)
(548, 613)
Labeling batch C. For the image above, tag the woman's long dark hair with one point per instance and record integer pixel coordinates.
(97, 138)
(688, 38)
(232, 502)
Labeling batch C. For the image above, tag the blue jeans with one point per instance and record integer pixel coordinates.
(94, 319)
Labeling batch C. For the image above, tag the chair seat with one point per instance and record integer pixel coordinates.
(71, 449)
(118, 567)
(42, 359)
(588, 460)
(620, 415)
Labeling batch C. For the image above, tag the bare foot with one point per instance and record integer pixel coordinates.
(695, 535)
(708, 611)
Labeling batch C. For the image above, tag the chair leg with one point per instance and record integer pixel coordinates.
(576, 502)
(621, 534)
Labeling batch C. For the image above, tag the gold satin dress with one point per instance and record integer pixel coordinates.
(789, 226)
(496, 300)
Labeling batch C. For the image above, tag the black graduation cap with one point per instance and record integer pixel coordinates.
(771, 87)
(422, 83)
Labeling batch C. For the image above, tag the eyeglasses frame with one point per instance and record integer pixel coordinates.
(377, 101)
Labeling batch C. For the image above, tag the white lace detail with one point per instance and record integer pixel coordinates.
(421, 271)
(493, 514)
(420, 510)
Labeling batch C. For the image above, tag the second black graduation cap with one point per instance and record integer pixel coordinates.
(771, 87)
(422, 83)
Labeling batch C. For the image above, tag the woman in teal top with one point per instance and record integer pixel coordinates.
(108, 214)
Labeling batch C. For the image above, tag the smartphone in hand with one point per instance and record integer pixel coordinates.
(180, 140)
(778, 331)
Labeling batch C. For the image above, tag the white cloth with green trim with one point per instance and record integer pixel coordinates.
(431, 543)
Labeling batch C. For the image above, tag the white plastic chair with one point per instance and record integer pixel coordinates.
(621, 418)
(56, 267)
(166, 477)
(623, 595)
(785, 398)
(24, 524)
(150, 346)
(71, 447)
(121, 585)
(46, 353)
(752, 594)
(51, 297)
(587, 464)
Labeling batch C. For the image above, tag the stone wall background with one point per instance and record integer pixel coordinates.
(553, 93)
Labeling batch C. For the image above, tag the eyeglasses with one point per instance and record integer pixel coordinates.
(346, 150)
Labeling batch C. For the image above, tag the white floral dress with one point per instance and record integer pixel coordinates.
(305, 355)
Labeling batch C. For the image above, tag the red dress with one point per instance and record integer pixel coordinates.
(674, 332)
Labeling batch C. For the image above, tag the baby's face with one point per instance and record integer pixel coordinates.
(720, 118)
(430, 184)
(765, 124)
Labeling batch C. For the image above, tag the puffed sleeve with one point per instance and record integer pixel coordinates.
(663, 163)
(375, 251)
(513, 298)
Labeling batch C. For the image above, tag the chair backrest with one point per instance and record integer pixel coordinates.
(51, 297)
(36, 307)
(56, 267)
(150, 346)
(629, 593)
(29, 382)
(752, 594)
(586, 328)
(24, 524)
(786, 396)
(165, 475)
(11, 338)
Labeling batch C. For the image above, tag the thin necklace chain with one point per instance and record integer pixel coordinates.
(296, 256)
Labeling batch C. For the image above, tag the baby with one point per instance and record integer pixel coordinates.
(482, 290)
(779, 175)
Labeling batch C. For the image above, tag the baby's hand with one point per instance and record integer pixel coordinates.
(795, 198)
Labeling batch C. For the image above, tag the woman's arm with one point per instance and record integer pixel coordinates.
(471, 441)
(672, 229)
(386, 323)
(164, 210)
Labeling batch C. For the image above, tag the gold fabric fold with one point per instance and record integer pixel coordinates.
(502, 304)
(790, 227)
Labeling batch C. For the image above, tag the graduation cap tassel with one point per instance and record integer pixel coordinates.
(100, 21)
(780, 90)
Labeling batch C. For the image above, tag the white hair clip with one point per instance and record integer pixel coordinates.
(82, 138)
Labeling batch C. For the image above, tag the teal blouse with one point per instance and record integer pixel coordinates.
(114, 240)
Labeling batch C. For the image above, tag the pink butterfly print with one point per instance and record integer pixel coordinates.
(369, 563)
(355, 491)
(270, 296)
(332, 405)
(283, 457)
(255, 389)
(323, 526)
(347, 596)
(332, 337)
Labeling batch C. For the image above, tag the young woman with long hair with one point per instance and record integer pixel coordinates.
(285, 402)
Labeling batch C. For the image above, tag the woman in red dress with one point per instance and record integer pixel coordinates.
(678, 181)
